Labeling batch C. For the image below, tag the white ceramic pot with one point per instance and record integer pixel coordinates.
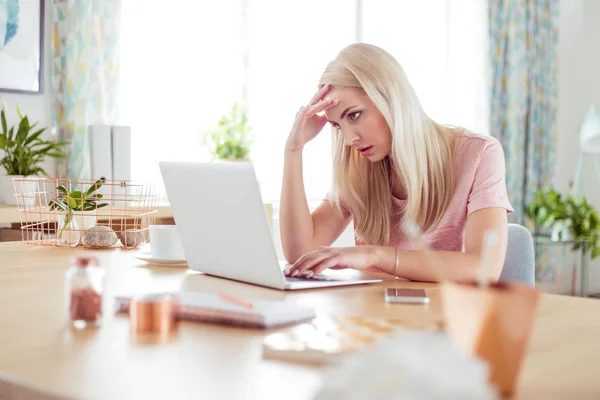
(561, 230)
(7, 189)
(25, 187)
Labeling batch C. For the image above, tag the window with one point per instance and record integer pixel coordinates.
(181, 68)
(185, 64)
(290, 43)
(443, 47)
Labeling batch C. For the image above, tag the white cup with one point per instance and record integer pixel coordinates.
(165, 243)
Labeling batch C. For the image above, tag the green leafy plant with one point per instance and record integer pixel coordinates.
(24, 149)
(76, 200)
(549, 207)
(231, 139)
(545, 208)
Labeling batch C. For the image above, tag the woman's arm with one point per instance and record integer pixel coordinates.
(415, 265)
(302, 232)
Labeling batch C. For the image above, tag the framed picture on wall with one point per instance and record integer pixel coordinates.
(21, 46)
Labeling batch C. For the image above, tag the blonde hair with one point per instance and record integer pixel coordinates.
(421, 153)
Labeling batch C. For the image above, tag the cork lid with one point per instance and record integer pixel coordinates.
(84, 261)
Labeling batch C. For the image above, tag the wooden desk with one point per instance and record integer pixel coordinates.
(40, 357)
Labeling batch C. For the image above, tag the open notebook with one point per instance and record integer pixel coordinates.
(214, 308)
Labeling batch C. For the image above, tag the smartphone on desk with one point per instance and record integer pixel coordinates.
(406, 295)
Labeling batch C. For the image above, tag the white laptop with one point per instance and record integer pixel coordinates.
(223, 226)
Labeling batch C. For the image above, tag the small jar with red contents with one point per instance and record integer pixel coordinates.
(84, 286)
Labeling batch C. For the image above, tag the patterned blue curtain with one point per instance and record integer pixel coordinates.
(84, 74)
(523, 42)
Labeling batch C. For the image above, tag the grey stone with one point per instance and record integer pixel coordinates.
(99, 236)
(132, 238)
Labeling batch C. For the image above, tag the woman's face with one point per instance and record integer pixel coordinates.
(360, 123)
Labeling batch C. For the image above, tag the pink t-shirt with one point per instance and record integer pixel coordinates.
(479, 180)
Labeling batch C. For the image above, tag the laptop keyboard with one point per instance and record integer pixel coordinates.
(304, 279)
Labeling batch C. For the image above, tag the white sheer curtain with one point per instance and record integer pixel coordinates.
(185, 63)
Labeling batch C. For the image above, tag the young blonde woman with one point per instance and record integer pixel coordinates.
(391, 161)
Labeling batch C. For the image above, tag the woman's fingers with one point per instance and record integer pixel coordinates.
(320, 94)
(293, 270)
(330, 262)
(305, 262)
(322, 106)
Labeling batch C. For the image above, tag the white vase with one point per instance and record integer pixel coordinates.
(69, 233)
(84, 219)
(561, 231)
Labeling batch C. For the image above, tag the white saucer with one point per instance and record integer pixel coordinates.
(157, 261)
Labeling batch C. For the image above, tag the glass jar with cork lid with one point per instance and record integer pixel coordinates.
(83, 289)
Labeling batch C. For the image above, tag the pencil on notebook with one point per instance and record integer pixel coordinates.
(235, 300)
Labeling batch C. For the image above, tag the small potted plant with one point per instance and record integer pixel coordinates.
(569, 217)
(231, 140)
(76, 203)
(544, 211)
(24, 151)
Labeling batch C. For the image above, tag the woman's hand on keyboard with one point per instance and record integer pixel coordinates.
(313, 263)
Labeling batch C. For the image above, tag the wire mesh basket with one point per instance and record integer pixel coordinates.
(93, 214)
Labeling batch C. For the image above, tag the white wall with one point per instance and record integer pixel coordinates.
(35, 106)
(592, 32)
(579, 87)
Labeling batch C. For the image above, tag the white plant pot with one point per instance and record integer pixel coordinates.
(28, 190)
(561, 231)
(7, 189)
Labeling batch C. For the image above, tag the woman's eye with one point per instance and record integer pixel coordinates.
(335, 125)
(354, 116)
